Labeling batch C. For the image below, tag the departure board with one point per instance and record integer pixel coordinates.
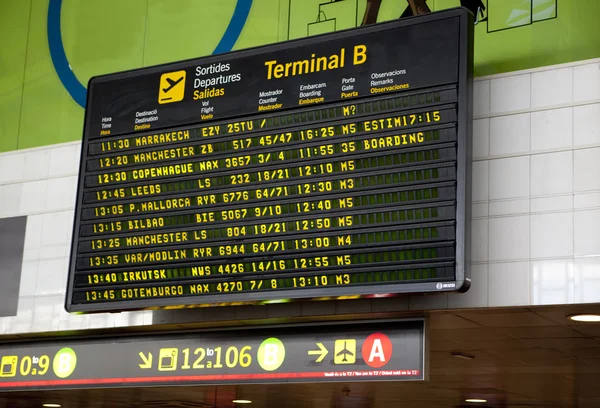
(329, 167)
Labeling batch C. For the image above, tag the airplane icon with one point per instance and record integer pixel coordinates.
(172, 83)
(172, 87)
(345, 351)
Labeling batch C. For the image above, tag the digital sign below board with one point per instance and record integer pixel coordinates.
(371, 352)
(332, 166)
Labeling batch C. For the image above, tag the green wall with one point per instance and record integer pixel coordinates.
(102, 36)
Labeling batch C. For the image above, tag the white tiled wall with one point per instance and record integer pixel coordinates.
(536, 211)
(539, 181)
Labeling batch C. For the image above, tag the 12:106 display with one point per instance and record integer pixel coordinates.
(232, 357)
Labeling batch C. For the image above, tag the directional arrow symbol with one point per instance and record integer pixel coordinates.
(147, 361)
(322, 352)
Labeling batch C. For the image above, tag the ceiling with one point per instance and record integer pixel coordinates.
(523, 357)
